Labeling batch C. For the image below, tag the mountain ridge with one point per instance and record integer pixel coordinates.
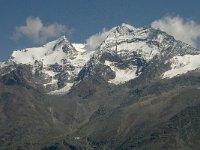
(124, 52)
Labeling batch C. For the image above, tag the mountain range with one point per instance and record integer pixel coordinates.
(139, 89)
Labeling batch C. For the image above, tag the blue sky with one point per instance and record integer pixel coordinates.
(84, 18)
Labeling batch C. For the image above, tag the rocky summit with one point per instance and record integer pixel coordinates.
(139, 89)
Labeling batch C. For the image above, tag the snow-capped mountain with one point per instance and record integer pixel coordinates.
(57, 62)
(128, 51)
(125, 54)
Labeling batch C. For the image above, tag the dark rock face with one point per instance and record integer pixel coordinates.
(19, 76)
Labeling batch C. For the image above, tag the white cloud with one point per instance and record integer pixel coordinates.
(187, 31)
(95, 40)
(35, 30)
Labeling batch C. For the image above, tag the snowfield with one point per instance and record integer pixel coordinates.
(182, 64)
(121, 76)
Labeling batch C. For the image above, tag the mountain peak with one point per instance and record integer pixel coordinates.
(60, 41)
(122, 29)
(62, 38)
(57, 49)
(128, 26)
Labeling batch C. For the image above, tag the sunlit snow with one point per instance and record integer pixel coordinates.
(182, 64)
(121, 76)
(63, 90)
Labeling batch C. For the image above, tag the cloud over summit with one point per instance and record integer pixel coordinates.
(95, 40)
(35, 30)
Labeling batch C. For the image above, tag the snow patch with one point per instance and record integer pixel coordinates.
(128, 26)
(182, 64)
(63, 90)
(79, 47)
(121, 76)
(3, 64)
